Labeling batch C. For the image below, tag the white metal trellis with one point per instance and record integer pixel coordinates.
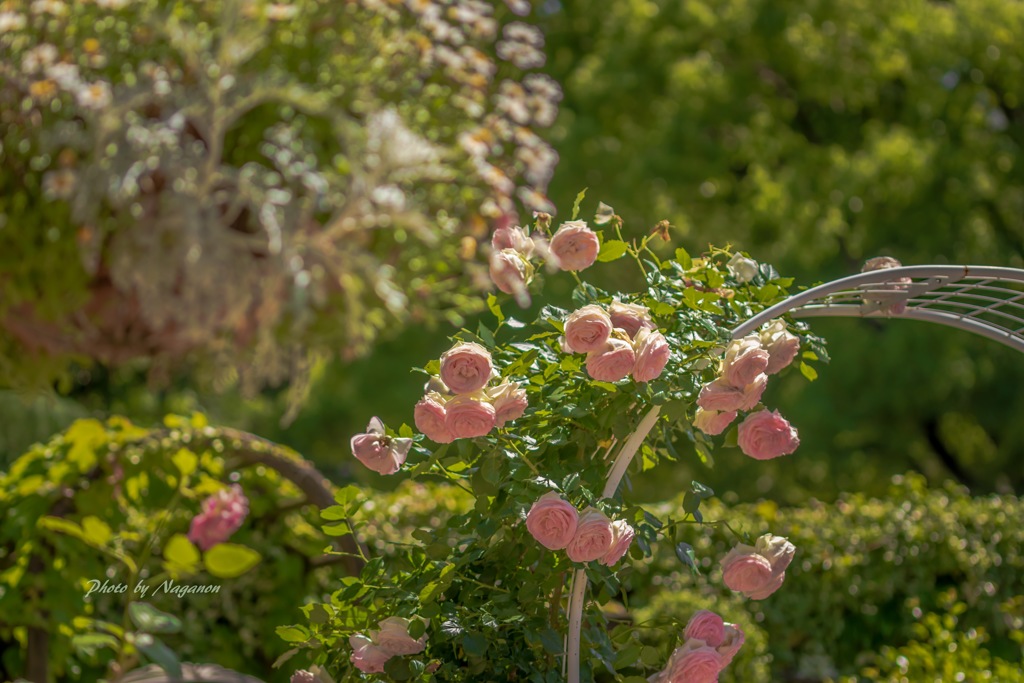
(985, 300)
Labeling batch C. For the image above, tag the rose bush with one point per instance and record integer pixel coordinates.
(488, 591)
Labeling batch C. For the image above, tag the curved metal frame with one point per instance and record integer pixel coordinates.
(913, 292)
(985, 300)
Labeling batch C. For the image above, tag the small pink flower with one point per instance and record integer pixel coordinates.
(510, 272)
(707, 626)
(713, 422)
(731, 644)
(509, 402)
(900, 284)
(366, 655)
(575, 246)
(722, 396)
(758, 571)
(468, 416)
(694, 662)
(622, 538)
(781, 345)
(766, 434)
(587, 329)
(222, 515)
(466, 367)
(303, 676)
(744, 361)
(430, 417)
(552, 521)
(652, 354)
(612, 362)
(512, 237)
(593, 538)
(379, 452)
(394, 639)
(630, 317)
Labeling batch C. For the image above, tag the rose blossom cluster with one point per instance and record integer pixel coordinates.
(620, 341)
(758, 571)
(459, 404)
(574, 246)
(745, 368)
(709, 646)
(370, 652)
(585, 536)
(222, 515)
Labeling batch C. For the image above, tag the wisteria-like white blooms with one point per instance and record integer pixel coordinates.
(522, 55)
(280, 11)
(54, 7)
(39, 58)
(478, 62)
(441, 31)
(66, 75)
(495, 177)
(93, 95)
(520, 32)
(512, 101)
(519, 7)
(59, 184)
(11, 21)
(477, 143)
(112, 4)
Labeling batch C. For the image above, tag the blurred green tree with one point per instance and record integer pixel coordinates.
(817, 134)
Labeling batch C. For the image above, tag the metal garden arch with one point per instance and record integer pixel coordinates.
(985, 300)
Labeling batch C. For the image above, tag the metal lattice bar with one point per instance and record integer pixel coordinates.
(979, 299)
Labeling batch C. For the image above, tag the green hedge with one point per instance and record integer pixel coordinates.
(879, 589)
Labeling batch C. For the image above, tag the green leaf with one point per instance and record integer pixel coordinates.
(333, 513)
(398, 669)
(228, 560)
(85, 437)
(151, 620)
(64, 526)
(350, 498)
(684, 258)
(612, 250)
(318, 615)
(492, 305)
(417, 627)
(475, 644)
(292, 634)
(576, 204)
(159, 654)
(807, 371)
(180, 556)
(186, 461)
(96, 532)
(288, 654)
(338, 529)
(89, 643)
(684, 551)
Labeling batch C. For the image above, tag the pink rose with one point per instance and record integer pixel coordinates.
(622, 538)
(694, 662)
(303, 676)
(593, 538)
(731, 644)
(766, 434)
(366, 656)
(612, 362)
(394, 639)
(467, 417)
(430, 417)
(510, 272)
(512, 237)
(713, 422)
(552, 521)
(758, 571)
(587, 329)
(706, 626)
(630, 317)
(744, 361)
(899, 284)
(378, 451)
(575, 246)
(509, 402)
(652, 353)
(781, 345)
(722, 396)
(466, 367)
(222, 515)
